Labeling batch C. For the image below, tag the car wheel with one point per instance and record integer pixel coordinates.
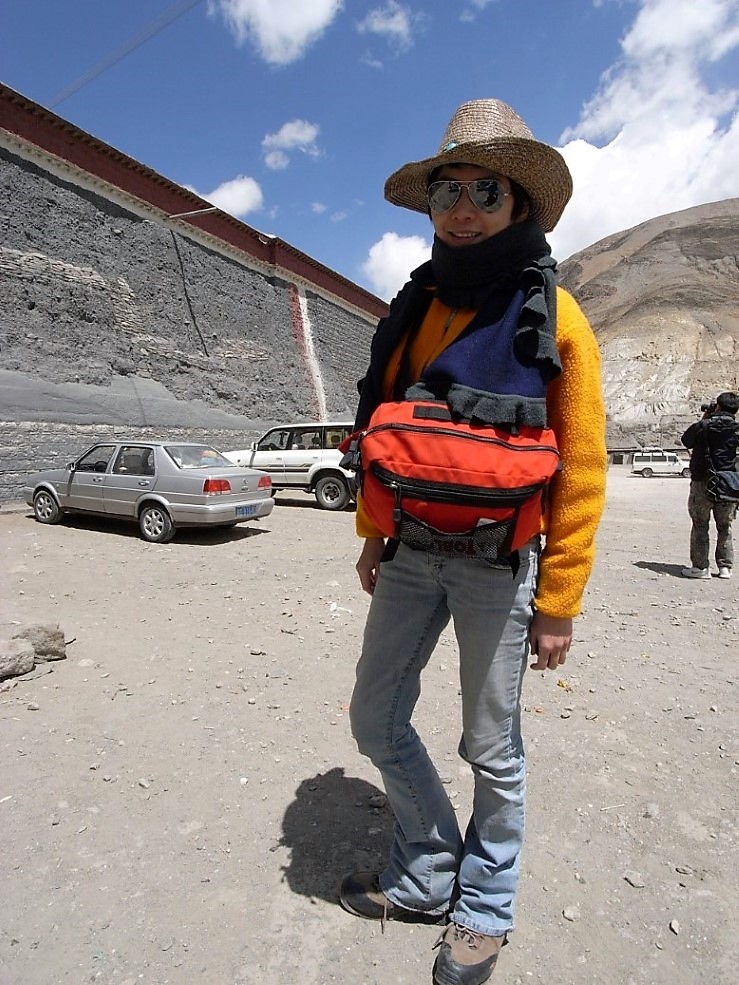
(685, 473)
(647, 473)
(156, 524)
(45, 507)
(331, 493)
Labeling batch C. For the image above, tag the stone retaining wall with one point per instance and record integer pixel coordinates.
(113, 323)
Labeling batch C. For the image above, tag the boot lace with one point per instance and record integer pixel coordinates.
(466, 936)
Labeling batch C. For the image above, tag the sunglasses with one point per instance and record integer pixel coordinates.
(485, 193)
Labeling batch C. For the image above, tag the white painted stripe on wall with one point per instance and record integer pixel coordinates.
(314, 367)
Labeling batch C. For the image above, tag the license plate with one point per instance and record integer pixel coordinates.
(245, 510)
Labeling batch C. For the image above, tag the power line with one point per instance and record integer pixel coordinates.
(154, 27)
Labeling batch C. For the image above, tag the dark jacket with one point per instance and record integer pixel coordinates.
(406, 314)
(714, 444)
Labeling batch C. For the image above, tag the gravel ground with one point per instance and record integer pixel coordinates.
(181, 796)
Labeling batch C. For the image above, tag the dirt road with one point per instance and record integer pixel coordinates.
(181, 795)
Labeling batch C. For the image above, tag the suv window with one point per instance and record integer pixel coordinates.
(284, 439)
(306, 438)
(334, 436)
(275, 440)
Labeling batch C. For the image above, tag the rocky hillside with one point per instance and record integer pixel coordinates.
(663, 299)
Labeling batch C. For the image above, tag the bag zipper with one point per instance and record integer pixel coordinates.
(487, 439)
(441, 492)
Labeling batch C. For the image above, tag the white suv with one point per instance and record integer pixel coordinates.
(656, 461)
(303, 456)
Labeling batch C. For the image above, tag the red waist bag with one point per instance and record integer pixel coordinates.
(451, 486)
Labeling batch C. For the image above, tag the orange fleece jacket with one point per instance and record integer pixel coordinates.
(577, 415)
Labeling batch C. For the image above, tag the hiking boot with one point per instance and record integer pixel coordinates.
(361, 895)
(466, 957)
(724, 572)
(696, 573)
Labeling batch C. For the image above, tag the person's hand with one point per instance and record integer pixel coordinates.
(550, 639)
(368, 565)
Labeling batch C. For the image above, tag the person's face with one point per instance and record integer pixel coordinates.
(464, 224)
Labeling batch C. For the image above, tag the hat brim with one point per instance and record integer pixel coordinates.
(538, 168)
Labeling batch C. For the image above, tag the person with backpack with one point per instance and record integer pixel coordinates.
(479, 350)
(714, 444)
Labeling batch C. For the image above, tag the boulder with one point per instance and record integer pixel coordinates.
(16, 657)
(47, 641)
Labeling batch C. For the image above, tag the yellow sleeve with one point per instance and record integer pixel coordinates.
(577, 495)
(364, 526)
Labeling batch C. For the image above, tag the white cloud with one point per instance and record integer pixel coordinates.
(280, 30)
(295, 135)
(472, 8)
(683, 24)
(318, 208)
(371, 62)
(276, 160)
(394, 22)
(655, 138)
(238, 197)
(391, 260)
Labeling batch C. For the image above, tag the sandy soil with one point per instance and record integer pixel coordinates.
(181, 795)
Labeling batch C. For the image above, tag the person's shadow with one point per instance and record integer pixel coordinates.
(661, 567)
(335, 825)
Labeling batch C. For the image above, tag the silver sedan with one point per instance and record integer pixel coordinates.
(160, 485)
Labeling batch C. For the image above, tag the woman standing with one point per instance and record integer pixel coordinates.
(483, 318)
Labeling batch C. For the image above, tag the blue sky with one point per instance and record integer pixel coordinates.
(290, 114)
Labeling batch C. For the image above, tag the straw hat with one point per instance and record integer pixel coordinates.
(488, 133)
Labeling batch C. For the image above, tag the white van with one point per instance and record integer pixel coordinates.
(657, 461)
(303, 456)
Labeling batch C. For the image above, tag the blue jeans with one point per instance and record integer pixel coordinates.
(430, 862)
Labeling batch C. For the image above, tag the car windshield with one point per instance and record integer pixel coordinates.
(197, 457)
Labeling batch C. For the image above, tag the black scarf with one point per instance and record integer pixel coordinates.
(467, 276)
(486, 275)
(483, 276)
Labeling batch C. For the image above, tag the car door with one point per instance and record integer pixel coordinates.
(659, 462)
(269, 454)
(303, 451)
(132, 474)
(86, 484)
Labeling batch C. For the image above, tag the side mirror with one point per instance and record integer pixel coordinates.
(71, 466)
(253, 445)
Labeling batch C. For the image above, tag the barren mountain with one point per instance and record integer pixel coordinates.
(663, 299)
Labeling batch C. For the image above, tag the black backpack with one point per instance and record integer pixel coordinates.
(723, 483)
